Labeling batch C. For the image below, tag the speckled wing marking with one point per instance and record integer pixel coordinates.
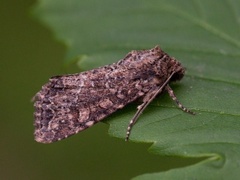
(69, 104)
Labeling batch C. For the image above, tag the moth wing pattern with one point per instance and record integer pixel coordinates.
(69, 104)
(64, 109)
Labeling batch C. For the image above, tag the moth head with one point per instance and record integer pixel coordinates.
(178, 70)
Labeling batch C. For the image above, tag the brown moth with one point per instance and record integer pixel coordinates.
(68, 104)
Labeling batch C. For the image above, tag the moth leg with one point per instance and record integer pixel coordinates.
(174, 98)
(146, 100)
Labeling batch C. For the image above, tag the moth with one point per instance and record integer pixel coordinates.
(68, 104)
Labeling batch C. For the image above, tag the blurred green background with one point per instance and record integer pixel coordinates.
(29, 56)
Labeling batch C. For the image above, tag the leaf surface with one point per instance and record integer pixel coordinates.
(203, 35)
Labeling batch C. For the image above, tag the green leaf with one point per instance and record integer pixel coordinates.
(203, 35)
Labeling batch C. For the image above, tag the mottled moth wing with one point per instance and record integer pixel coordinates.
(71, 103)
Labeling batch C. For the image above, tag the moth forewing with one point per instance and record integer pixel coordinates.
(68, 104)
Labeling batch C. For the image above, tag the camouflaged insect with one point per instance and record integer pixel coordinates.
(69, 104)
